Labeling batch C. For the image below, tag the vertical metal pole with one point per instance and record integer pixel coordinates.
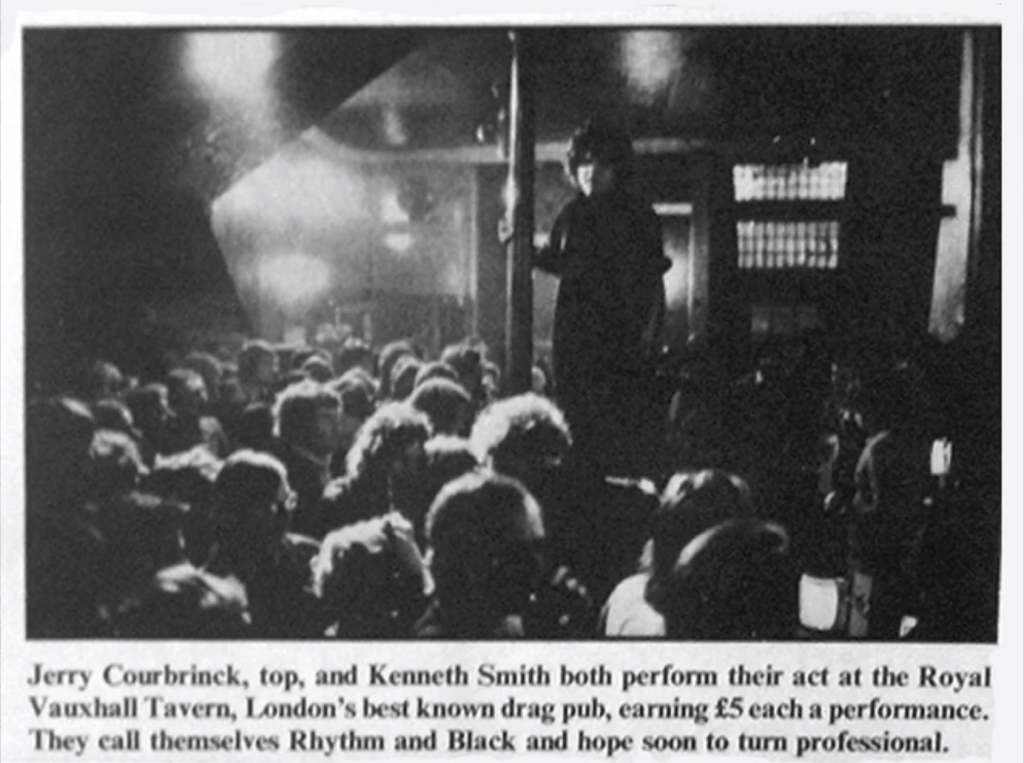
(519, 310)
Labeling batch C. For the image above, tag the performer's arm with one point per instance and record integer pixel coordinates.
(551, 256)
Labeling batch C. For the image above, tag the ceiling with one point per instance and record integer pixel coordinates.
(124, 152)
(116, 103)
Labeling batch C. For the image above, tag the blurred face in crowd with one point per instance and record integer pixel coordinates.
(348, 425)
(865, 499)
(190, 398)
(270, 520)
(327, 430)
(464, 421)
(491, 387)
(267, 369)
(152, 418)
(536, 465)
(407, 474)
(472, 380)
(282, 509)
(518, 563)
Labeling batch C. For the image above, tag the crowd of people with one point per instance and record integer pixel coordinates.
(358, 492)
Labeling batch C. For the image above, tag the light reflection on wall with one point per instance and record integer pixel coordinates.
(293, 278)
(296, 193)
(960, 189)
(398, 242)
(291, 230)
(309, 227)
(390, 210)
(677, 230)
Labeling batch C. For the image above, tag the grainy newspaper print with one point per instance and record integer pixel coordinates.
(599, 383)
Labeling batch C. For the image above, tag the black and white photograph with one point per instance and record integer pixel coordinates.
(568, 384)
(495, 332)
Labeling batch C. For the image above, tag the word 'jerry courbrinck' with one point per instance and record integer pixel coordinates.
(118, 674)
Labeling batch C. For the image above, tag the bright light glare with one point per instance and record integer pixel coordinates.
(399, 242)
(314, 188)
(651, 60)
(820, 599)
(232, 65)
(294, 277)
(394, 130)
(390, 210)
(676, 285)
(307, 191)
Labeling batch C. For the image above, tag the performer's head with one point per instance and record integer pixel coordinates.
(599, 157)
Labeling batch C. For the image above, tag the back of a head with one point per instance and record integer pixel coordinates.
(207, 366)
(254, 353)
(446, 403)
(491, 377)
(482, 530)
(538, 380)
(144, 533)
(370, 578)
(464, 358)
(189, 475)
(288, 379)
(256, 426)
(735, 581)
(117, 463)
(186, 390)
(296, 410)
(298, 356)
(447, 458)
(434, 370)
(247, 481)
(403, 377)
(468, 361)
(103, 380)
(358, 391)
(389, 355)
(149, 407)
(318, 369)
(355, 353)
(691, 503)
(113, 414)
(393, 427)
(522, 436)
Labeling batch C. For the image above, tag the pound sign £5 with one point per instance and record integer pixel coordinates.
(729, 708)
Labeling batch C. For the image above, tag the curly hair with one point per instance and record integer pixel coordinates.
(525, 427)
(599, 140)
(296, 407)
(246, 479)
(391, 429)
(470, 525)
(446, 403)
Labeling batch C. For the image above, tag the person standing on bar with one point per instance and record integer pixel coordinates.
(606, 248)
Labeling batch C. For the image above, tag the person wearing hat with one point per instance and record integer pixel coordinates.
(606, 248)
